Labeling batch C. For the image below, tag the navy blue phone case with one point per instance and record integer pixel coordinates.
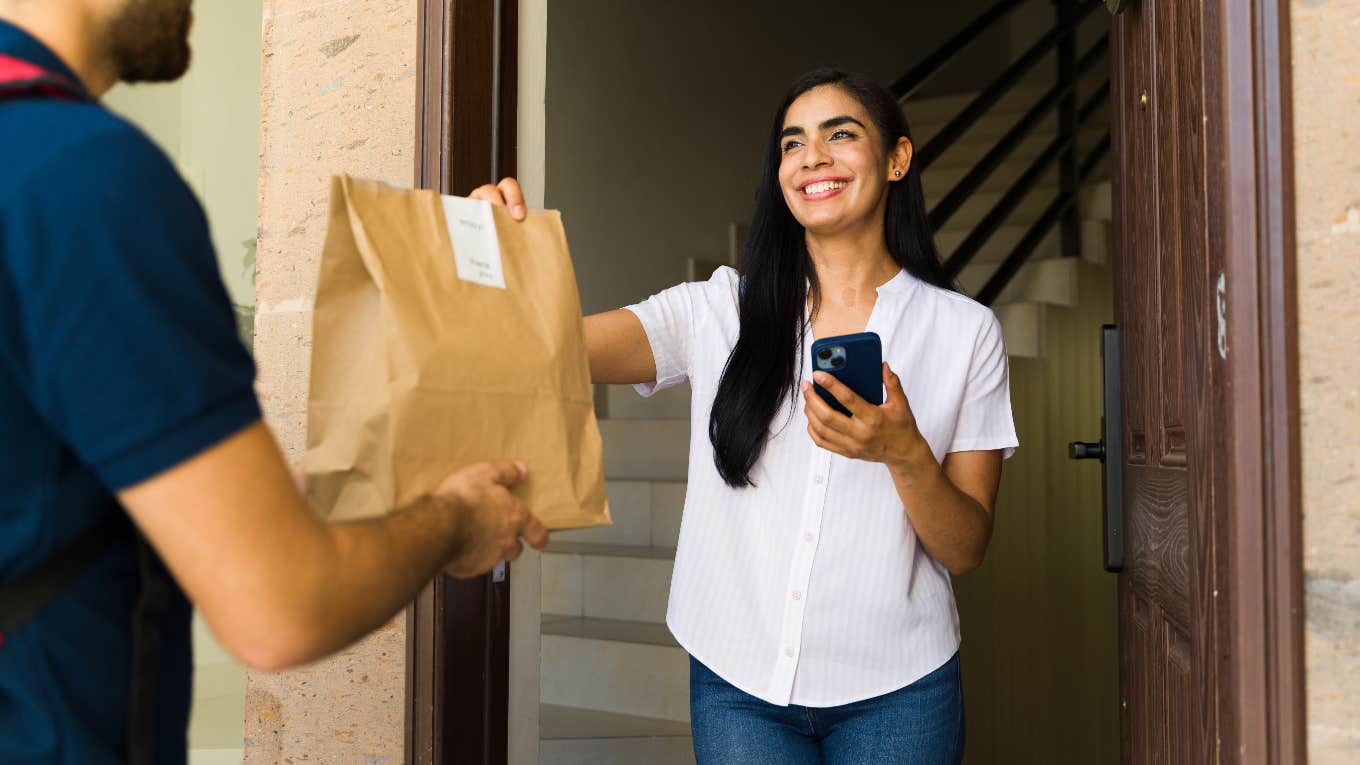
(860, 368)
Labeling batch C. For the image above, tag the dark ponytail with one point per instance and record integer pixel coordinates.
(766, 365)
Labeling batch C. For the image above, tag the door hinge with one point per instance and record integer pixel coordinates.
(1221, 300)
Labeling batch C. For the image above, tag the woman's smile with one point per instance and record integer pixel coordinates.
(818, 189)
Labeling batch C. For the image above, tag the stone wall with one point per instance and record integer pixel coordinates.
(1326, 77)
(337, 95)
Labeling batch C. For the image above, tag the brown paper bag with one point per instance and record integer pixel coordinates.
(418, 371)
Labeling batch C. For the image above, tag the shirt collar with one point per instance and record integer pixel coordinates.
(17, 43)
(899, 285)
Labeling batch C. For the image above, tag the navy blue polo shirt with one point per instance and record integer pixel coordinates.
(118, 359)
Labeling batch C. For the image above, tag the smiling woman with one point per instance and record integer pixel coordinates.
(811, 585)
(837, 178)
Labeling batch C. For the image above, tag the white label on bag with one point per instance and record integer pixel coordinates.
(472, 231)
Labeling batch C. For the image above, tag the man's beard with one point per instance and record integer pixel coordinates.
(149, 40)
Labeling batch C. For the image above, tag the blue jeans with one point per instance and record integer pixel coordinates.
(921, 724)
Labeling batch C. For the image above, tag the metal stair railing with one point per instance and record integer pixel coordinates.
(1059, 100)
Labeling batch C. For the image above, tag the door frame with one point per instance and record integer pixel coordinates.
(465, 136)
(1258, 491)
(458, 631)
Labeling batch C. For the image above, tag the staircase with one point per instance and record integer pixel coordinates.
(614, 682)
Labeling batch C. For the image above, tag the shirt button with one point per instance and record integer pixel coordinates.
(797, 595)
(818, 479)
(808, 537)
(788, 651)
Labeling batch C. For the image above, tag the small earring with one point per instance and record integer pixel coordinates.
(897, 173)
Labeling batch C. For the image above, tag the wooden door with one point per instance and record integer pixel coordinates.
(1210, 624)
(1166, 618)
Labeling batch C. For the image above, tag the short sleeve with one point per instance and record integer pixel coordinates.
(129, 348)
(671, 318)
(985, 421)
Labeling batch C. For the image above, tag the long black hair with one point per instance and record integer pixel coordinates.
(765, 366)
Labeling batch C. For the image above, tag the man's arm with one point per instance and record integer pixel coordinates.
(277, 586)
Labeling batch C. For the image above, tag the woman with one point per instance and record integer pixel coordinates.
(812, 578)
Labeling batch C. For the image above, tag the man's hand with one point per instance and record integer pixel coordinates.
(491, 521)
(278, 587)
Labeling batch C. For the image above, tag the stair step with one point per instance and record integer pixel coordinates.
(613, 630)
(937, 110)
(1022, 329)
(610, 550)
(1092, 201)
(941, 178)
(1052, 281)
(566, 722)
(645, 450)
(671, 750)
(645, 514)
(972, 211)
(928, 115)
(615, 676)
(668, 508)
(574, 736)
(630, 507)
(967, 150)
(607, 581)
(624, 403)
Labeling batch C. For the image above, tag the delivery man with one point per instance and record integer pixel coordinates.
(135, 474)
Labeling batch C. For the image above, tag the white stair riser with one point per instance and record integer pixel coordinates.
(978, 205)
(645, 514)
(961, 158)
(966, 152)
(624, 403)
(563, 585)
(606, 587)
(647, 450)
(1093, 202)
(630, 507)
(633, 589)
(625, 678)
(670, 750)
(1022, 328)
(668, 505)
(1052, 281)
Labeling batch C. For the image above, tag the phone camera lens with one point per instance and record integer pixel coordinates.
(838, 362)
(824, 354)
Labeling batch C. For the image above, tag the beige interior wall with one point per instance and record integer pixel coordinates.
(657, 115)
(1039, 619)
(1326, 77)
(337, 95)
(526, 573)
(208, 123)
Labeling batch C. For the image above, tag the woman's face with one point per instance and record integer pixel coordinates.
(833, 170)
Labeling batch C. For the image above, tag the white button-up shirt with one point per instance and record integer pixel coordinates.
(811, 588)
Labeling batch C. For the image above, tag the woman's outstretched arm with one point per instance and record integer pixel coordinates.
(616, 343)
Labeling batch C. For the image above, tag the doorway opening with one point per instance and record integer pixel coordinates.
(653, 142)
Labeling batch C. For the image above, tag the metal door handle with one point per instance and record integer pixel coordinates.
(1110, 449)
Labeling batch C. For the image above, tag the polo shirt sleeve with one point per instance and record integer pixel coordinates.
(985, 421)
(130, 351)
(670, 319)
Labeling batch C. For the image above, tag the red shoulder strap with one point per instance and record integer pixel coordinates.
(21, 78)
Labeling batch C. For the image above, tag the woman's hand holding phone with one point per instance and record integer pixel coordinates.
(886, 433)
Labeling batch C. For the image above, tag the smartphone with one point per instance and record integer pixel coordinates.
(855, 360)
